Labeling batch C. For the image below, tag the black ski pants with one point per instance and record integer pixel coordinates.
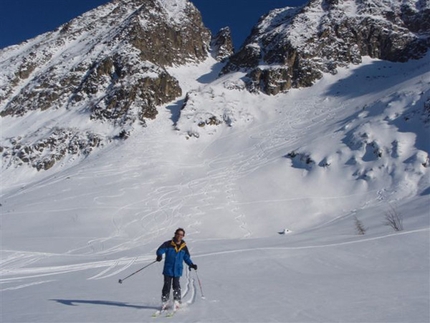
(168, 282)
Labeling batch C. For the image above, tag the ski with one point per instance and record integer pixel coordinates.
(176, 307)
(158, 313)
(171, 313)
(164, 309)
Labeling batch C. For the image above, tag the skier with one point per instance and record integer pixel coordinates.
(176, 251)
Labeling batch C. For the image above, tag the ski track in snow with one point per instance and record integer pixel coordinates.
(14, 271)
(25, 285)
(313, 246)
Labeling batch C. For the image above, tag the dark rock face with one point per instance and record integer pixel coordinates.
(45, 152)
(163, 40)
(222, 44)
(292, 47)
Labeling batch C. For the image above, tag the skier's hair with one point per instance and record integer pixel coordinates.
(180, 229)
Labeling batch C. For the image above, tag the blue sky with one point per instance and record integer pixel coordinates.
(24, 19)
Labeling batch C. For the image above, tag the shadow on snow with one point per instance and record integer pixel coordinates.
(77, 302)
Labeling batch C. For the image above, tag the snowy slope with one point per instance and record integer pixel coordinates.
(354, 146)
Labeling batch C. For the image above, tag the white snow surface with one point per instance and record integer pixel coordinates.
(298, 25)
(306, 164)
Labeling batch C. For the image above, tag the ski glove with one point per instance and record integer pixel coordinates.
(159, 258)
(194, 266)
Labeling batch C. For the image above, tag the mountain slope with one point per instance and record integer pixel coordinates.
(104, 74)
(95, 77)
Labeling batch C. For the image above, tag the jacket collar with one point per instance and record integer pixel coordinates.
(178, 247)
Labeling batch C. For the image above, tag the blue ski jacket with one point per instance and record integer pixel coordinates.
(175, 257)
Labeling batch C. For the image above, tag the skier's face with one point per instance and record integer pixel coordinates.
(178, 236)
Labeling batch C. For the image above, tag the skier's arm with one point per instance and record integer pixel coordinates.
(162, 249)
(187, 258)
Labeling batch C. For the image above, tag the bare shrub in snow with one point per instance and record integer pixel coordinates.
(394, 219)
(359, 227)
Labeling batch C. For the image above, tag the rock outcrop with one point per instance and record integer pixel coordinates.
(222, 44)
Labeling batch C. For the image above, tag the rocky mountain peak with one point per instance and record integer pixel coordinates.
(106, 66)
(222, 44)
(293, 47)
(94, 59)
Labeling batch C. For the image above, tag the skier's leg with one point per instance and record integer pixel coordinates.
(176, 289)
(165, 293)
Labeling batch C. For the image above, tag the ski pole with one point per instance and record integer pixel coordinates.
(200, 284)
(121, 280)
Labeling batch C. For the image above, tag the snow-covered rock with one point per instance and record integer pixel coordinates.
(107, 66)
(293, 47)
